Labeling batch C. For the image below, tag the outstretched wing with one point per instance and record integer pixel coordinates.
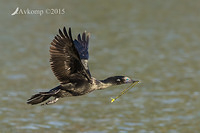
(65, 60)
(82, 48)
(82, 45)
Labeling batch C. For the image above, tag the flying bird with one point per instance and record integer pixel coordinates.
(69, 63)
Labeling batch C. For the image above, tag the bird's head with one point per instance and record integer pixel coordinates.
(118, 80)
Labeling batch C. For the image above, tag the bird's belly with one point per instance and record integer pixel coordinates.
(77, 90)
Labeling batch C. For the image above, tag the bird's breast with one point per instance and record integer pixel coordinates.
(77, 88)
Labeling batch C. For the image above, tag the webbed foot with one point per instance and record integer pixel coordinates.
(50, 102)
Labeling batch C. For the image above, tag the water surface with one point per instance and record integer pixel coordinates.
(156, 42)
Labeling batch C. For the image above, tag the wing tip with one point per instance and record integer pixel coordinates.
(70, 33)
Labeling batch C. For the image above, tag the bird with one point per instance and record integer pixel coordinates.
(69, 63)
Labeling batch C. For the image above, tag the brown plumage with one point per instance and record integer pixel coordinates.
(64, 58)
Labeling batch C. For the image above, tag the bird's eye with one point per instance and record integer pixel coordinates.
(127, 79)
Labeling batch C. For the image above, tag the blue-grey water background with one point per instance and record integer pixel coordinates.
(156, 42)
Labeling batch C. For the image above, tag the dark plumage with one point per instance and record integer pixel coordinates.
(69, 64)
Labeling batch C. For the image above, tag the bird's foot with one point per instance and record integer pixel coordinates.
(50, 102)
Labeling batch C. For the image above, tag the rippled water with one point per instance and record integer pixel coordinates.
(156, 42)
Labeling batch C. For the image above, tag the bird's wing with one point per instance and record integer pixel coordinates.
(81, 45)
(65, 60)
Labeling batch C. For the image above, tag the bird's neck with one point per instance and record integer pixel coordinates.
(106, 83)
(102, 84)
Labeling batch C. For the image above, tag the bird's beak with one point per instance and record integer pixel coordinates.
(133, 81)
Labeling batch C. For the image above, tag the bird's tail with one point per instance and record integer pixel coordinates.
(42, 96)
